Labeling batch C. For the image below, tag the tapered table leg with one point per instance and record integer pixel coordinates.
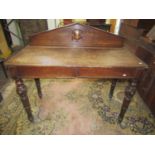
(22, 92)
(113, 85)
(129, 93)
(37, 82)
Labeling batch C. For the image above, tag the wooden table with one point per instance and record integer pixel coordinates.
(75, 51)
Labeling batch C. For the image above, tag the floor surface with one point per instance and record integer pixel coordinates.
(73, 107)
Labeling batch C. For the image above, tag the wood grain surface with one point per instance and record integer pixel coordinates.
(75, 57)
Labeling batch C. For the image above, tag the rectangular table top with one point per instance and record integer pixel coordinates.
(75, 57)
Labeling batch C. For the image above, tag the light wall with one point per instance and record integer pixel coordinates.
(117, 26)
(81, 21)
(54, 23)
(13, 27)
(51, 23)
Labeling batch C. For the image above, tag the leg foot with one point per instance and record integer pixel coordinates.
(37, 82)
(129, 93)
(22, 92)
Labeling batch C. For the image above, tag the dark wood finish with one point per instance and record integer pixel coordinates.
(37, 82)
(90, 37)
(120, 73)
(146, 52)
(96, 21)
(113, 85)
(129, 32)
(151, 96)
(144, 55)
(148, 77)
(42, 72)
(129, 93)
(64, 72)
(146, 85)
(22, 92)
(74, 51)
(145, 24)
(67, 21)
(99, 23)
(134, 29)
(76, 57)
(131, 22)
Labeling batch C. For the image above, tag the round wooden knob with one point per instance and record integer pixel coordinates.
(76, 34)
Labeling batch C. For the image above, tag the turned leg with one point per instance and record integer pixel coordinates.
(113, 85)
(129, 93)
(22, 92)
(37, 81)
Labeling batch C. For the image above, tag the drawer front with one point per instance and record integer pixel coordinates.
(109, 72)
(43, 72)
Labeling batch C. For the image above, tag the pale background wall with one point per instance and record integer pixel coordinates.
(51, 23)
(117, 26)
(13, 27)
(54, 23)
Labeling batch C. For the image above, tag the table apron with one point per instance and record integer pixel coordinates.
(71, 72)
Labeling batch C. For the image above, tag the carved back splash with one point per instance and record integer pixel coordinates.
(76, 35)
